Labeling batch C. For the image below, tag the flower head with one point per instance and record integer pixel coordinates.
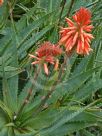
(45, 54)
(77, 35)
(1, 2)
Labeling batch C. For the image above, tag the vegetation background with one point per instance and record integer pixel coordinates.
(75, 107)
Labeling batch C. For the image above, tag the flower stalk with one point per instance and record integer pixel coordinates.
(40, 107)
(62, 5)
(67, 55)
(69, 10)
(27, 99)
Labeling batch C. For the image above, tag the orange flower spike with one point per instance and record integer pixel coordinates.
(1, 2)
(77, 33)
(46, 54)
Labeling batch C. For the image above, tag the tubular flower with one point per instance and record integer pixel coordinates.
(77, 35)
(1, 2)
(46, 54)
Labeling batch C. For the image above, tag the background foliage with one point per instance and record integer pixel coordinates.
(75, 107)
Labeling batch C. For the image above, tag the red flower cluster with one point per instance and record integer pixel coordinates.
(1, 2)
(77, 35)
(46, 54)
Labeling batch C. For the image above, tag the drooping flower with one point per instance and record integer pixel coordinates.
(1, 2)
(77, 34)
(45, 54)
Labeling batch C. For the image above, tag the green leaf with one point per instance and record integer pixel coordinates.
(90, 88)
(23, 49)
(65, 118)
(72, 84)
(68, 128)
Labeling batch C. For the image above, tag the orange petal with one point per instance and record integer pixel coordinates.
(35, 62)
(88, 28)
(68, 44)
(70, 23)
(90, 36)
(71, 32)
(63, 39)
(75, 17)
(32, 56)
(75, 38)
(78, 47)
(82, 41)
(69, 28)
(46, 68)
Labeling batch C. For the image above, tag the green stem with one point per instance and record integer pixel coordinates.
(70, 7)
(27, 99)
(39, 109)
(62, 8)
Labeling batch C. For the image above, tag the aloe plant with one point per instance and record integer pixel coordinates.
(67, 102)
